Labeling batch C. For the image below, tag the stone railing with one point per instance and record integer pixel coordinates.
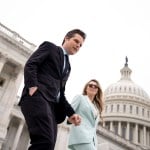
(15, 36)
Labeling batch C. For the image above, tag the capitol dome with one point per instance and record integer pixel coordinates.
(125, 86)
(127, 109)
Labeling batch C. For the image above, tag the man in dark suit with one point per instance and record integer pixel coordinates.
(43, 102)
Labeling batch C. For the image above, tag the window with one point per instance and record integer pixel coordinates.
(111, 108)
(142, 111)
(137, 110)
(130, 109)
(148, 114)
(118, 108)
(124, 108)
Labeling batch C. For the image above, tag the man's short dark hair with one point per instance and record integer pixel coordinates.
(71, 33)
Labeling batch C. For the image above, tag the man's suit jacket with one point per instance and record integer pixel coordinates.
(44, 69)
(86, 131)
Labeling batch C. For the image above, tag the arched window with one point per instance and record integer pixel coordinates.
(117, 107)
(124, 108)
(111, 109)
(137, 110)
(130, 109)
(142, 111)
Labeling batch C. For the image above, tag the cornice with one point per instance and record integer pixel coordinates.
(125, 118)
(124, 98)
(14, 38)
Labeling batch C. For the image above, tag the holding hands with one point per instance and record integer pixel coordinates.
(75, 119)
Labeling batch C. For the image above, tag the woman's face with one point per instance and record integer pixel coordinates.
(92, 88)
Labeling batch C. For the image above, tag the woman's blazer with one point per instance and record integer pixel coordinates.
(86, 131)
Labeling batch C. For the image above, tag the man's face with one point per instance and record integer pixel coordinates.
(73, 44)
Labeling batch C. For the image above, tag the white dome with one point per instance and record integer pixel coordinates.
(126, 86)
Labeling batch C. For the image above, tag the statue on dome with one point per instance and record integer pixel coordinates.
(126, 64)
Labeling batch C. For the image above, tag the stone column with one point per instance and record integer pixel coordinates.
(127, 133)
(18, 82)
(136, 134)
(19, 75)
(144, 135)
(119, 128)
(104, 124)
(111, 126)
(17, 137)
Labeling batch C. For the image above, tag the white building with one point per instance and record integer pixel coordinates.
(14, 51)
(127, 106)
(127, 111)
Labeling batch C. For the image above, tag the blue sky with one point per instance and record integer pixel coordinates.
(115, 29)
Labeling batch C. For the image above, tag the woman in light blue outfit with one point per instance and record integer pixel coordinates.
(89, 106)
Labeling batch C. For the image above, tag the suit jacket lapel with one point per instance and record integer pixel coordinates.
(67, 68)
(91, 107)
(61, 60)
(67, 65)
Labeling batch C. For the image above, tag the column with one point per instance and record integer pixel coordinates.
(18, 75)
(136, 134)
(17, 137)
(144, 135)
(127, 133)
(119, 128)
(18, 81)
(104, 124)
(111, 126)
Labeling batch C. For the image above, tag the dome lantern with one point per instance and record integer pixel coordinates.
(126, 71)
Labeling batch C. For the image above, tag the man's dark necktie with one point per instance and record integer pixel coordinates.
(66, 64)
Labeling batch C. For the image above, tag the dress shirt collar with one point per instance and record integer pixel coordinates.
(64, 51)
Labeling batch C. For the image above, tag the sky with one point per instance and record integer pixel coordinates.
(115, 29)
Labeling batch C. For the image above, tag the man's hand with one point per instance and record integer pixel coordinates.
(32, 90)
(75, 119)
